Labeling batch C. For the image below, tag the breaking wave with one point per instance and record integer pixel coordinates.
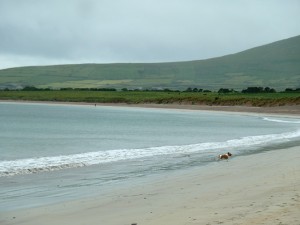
(281, 121)
(43, 164)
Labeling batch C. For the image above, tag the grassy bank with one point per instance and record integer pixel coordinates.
(139, 97)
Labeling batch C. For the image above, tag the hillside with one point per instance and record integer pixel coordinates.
(275, 65)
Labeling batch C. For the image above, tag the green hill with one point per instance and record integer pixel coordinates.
(275, 65)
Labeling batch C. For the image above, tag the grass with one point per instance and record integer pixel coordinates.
(140, 97)
(85, 84)
(275, 65)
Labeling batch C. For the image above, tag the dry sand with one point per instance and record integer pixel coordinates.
(255, 189)
(288, 109)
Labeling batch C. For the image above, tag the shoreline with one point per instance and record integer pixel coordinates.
(255, 189)
(293, 110)
(259, 188)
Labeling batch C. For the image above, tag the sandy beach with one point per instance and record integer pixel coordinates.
(262, 188)
(255, 189)
(284, 110)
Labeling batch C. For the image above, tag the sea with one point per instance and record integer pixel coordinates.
(50, 153)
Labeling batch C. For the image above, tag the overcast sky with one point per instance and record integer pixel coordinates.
(45, 32)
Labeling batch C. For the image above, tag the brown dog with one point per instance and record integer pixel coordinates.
(225, 156)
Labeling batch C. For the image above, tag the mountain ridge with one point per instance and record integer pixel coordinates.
(276, 65)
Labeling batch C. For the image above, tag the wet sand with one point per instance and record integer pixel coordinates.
(261, 188)
(288, 110)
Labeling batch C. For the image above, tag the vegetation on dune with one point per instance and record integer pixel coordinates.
(190, 96)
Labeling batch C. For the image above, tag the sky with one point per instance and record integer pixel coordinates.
(47, 32)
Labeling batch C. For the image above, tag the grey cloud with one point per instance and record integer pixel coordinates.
(140, 31)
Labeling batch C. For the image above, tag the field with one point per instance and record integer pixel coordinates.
(140, 97)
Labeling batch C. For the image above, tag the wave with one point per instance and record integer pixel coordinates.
(280, 120)
(43, 164)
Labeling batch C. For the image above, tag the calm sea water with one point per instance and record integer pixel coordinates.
(50, 153)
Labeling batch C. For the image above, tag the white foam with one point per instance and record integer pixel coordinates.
(34, 165)
(280, 120)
